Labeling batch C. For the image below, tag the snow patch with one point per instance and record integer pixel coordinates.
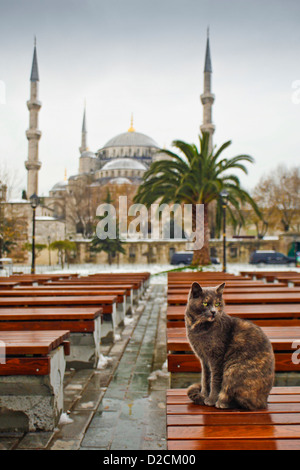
(103, 361)
(128, 321)
(65, 419)
(163, 372)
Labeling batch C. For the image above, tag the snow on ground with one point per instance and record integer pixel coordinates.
(157, 271)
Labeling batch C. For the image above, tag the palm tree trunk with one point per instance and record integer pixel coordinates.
(202, 256)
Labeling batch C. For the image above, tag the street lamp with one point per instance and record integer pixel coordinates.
(34, 202)
(49, 240)
(3, 189)
(224, 198)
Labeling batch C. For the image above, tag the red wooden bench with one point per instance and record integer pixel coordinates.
(285, 341)
(106, 302)
(210, 283)
(31, 379)
(119, 290)
(261, 314)
(8, 284)
(40, 291)
(239, 290)
(83, 323)
(195, 427)
(262, 298)
(134, 286)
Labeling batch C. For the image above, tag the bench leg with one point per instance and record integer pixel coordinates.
(31, 402)
(85, 348)
(114, 320)
(121, 312)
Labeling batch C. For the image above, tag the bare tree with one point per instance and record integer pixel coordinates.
(278, 197)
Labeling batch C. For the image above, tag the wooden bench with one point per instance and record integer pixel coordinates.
(284, 341)
(195, 427)
(139, 280)
(134, 286)
(238, 284)
(8, 284)
(261, 298)
(31, 379)
(83, 323)
(106, 302)
(241, 290)
(122, 289)
(30, 279)
(261, 314)
(272, 276)
(40, 291)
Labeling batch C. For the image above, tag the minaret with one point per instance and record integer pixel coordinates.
(83, 147)
(33, 134)
(207, 98)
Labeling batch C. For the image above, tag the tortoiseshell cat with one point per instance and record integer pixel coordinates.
(237, 359)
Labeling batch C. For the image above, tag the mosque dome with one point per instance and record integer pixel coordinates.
(131, 139)
(124, 164)
(122, 168)
(130, 144)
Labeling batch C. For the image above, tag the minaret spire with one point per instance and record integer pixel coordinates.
(83, 147)
(207, 98)
(131, 128)
(33, 134)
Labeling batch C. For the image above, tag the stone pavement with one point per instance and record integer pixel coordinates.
(123, 405)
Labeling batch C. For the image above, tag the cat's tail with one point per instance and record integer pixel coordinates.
(194, 394)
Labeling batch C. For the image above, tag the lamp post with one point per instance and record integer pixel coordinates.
(224, 198)
(34, 202)
(3, 189)
(49, 239)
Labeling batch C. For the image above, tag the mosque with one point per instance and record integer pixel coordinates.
(117, 167)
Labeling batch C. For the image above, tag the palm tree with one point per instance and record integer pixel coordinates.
(196, 177)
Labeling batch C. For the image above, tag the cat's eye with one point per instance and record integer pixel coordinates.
(204, 303)
(217, 304)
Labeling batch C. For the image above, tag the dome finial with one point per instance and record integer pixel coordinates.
(65, 177)
(131, 128)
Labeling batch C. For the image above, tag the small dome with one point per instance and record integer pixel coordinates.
(120, 180)
(124, 164)
(128, 139)
(88, 153)
(60, 186)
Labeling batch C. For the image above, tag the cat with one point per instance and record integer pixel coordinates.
(237, 359)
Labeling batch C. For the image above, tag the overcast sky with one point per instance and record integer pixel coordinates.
(146, 57)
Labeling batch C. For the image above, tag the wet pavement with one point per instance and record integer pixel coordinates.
(123, 405)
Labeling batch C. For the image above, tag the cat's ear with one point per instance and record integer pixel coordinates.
(220, 288)
(196, 290)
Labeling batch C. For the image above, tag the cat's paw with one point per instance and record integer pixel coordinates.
(221, 404)
(210, 401)
(194, 394)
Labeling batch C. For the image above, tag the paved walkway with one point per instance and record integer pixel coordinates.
(123, 405)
